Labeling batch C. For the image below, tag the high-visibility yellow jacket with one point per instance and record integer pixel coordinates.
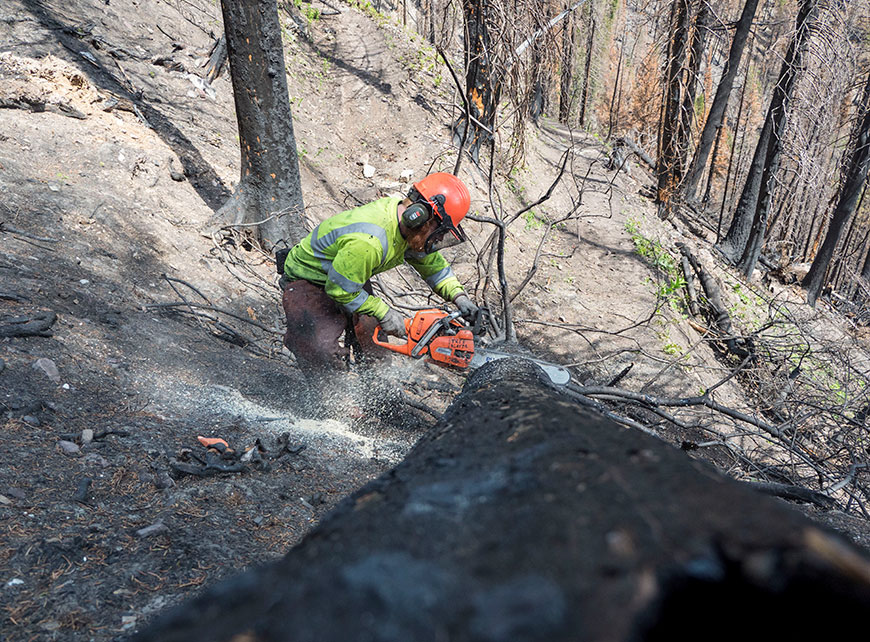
(347, 249)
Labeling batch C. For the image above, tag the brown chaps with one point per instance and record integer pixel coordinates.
(315, 323)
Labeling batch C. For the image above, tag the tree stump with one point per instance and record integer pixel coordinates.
(522, 516)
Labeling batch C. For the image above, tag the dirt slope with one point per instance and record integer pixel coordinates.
(113, 155)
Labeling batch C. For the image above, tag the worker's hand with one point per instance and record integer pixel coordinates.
(467, 307)
(393, 323)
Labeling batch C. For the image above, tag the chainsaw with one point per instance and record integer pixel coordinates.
(447, 341)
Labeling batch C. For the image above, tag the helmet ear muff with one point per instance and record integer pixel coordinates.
(416, 216)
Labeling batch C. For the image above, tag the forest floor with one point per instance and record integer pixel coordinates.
(113, 157)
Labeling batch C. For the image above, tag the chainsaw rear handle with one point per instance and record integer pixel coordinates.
(401, 348)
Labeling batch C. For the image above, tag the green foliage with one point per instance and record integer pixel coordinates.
(672, 349)
(662, 260)
(532, 221)
(366, 7)
(311, 14)
(700, 107)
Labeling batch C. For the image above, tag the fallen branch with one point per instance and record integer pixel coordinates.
(627, 142)
(798, 493)
(238, 317)
(702, 400)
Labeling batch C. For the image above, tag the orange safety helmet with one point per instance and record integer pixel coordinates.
(449, 201)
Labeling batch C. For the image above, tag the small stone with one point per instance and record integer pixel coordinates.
(163, 481)
(84, 281)
(68, 447)
(87, 436)
(96, 458)
(128, 622)
(30, 420)
(259, 520)
(155, 529)
(368, 170)
(14, 582)
(49, 368)
(17, 493)
(5, 501)
(406, 175)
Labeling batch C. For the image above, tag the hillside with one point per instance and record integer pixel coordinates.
(113, 156)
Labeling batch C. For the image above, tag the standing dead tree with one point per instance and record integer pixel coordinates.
(715, 119)
(268, 199)
(683, 57)
(855, 170)
(498, 36)
(742, 244)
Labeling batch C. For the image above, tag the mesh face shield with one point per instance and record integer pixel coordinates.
(446, 234)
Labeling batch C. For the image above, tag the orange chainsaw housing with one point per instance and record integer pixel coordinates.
(452, 346)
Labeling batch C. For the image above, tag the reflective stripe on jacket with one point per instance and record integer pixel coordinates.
(347, 249)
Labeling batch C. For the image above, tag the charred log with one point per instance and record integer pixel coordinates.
(522, 516)
(717, 311)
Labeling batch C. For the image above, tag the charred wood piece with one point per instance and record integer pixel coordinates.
(717, 311)
(36, 325)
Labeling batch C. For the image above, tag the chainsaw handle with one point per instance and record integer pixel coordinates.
(403, 348)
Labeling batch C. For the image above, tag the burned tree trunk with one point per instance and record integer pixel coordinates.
(668, 156)
(481, 87)
(855, 175)
(693, 66)
(522, 517)
(584, 90)
(268, 198)
(713, 124)
(566, 75)
(745, 236)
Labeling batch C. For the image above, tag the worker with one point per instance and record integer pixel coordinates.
(326, 276)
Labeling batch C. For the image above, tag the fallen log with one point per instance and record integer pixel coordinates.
(716, 310)
(522, 516)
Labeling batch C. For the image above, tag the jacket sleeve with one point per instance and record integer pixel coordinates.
(437, 273)
(351, 268)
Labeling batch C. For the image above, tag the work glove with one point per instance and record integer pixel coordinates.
(467, 307)
(393, 323)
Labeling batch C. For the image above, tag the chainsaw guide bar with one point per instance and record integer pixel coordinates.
(447, 341)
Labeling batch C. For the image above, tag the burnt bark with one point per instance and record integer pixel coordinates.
(668, 157)
(268, 198)
(715, 119)
(521, 516)
(481, 87)
(855, 175)
(746, 234)
(584, 91)
(566, 76)
(693, 66)
(217, 59)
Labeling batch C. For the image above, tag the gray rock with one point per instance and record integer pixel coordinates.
(68, 447)
(155, 529)
(49, 368)
(163, 481)
(95, 458)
